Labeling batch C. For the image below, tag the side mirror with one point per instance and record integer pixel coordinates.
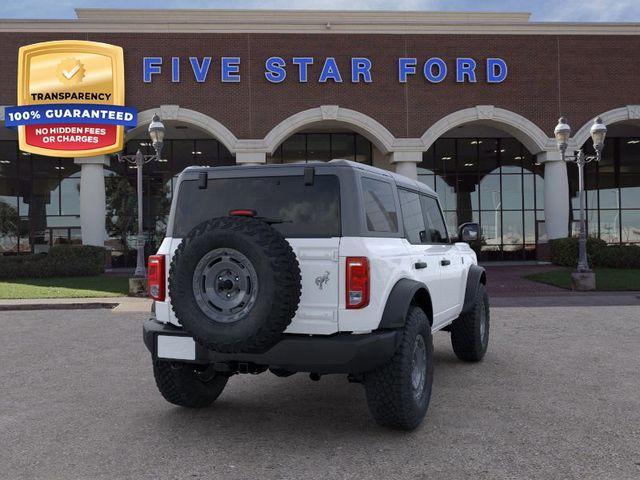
(469, 232)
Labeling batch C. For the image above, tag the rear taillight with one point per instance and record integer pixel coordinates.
(357, 282)
(155, 277)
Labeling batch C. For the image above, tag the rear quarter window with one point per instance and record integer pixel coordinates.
(379, 206)
(301, 210)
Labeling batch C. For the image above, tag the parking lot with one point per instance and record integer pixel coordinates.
(558, 396)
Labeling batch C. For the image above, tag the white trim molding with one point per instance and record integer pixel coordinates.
(373, 130)
(192, 117)
(531, 136)
(622, 114)
(312, 21)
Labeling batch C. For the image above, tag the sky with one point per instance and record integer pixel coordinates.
(542, 10)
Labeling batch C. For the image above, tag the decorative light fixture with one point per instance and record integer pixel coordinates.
(562, 133)
(156, 133)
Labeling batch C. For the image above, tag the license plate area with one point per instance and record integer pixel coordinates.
(175, 348)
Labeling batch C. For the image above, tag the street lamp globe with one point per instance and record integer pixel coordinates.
(562, 133)
(156, 132)
(598, 132)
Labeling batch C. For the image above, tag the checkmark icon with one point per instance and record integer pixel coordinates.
(71, 73)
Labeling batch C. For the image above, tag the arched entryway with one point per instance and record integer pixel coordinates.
(329, 132)
(613, 185)
(484, 166)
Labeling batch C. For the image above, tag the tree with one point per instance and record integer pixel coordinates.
(121, 209)
(9, 222)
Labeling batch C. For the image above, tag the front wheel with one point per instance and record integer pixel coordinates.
(398, 393)
(470, 331)
(186, 385)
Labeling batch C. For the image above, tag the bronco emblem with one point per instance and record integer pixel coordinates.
(321, 280)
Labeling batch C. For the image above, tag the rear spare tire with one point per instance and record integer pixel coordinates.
(235, 284)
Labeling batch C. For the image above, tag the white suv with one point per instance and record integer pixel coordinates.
(323, 268)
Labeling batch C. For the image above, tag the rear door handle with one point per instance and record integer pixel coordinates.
(445, 262)
(419, 265)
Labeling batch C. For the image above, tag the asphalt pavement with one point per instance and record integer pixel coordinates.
(558, 396)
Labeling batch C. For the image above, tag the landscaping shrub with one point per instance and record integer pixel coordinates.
(564, 252)
(61, 261)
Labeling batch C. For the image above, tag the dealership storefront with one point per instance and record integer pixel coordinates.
(465, 103)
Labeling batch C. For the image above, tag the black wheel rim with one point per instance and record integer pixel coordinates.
(225, 285)
(419, 367)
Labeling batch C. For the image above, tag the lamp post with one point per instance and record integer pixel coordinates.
(562, 133)
(156, 133)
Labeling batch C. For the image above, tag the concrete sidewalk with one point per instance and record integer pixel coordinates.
(118, 304)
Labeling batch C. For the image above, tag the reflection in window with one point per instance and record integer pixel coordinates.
(493, 181)
(379, 204)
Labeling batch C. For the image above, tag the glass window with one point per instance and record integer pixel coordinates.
(630, 226)
(488, 156)
(428, 160)
(182, 156)
(294, 149)
(412, 217)
(512, 228)
(610, 226)
(343, 145)
(70, 196)
(44, 166)
(629, 156)
(206, 152)
(490, 198)
(511, 155)
(467, 154)
(436, 229)
(630, 190)
(304, 210)
(364, 150)
(318, 147)
(512, 192)
(491, 223)
(8, 159)
(446, 192)
(445, 156)
(379, 205)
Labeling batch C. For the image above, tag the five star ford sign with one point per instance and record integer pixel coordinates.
(70, 99)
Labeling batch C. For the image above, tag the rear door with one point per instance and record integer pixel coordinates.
(306, 213)
(451, 268)
(425, 257)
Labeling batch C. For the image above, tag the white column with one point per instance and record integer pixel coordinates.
(251, 158)
(93, 209)
(556, 194)
(406, 163)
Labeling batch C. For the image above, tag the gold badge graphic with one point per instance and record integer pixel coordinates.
(71, 94)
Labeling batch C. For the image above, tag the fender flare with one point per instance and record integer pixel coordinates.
(399, 301)
(475, 277)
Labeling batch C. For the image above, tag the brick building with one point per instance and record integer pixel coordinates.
(465, 102)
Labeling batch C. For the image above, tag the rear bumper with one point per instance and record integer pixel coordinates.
(338, 353)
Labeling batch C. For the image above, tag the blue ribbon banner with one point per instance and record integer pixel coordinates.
(70, 113)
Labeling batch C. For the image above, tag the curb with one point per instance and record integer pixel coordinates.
(57, 306)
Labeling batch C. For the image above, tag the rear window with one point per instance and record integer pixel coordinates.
(304, 210)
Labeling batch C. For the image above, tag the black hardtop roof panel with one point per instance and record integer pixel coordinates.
(333, 166)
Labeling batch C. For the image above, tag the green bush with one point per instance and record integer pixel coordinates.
(564, 252)
(61, 261)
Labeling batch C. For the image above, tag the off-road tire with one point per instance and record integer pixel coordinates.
(180, 384)
(389, 390)
(468, 338)
(278, 284)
